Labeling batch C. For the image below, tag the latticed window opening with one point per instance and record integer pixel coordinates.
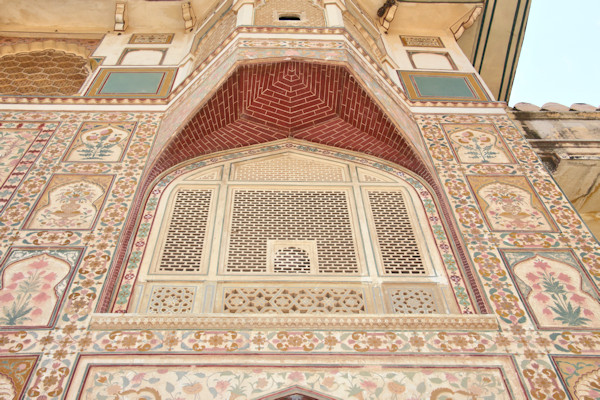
(291, 234)
(291, 260)
(397, 242)
(260, 215)
(183, 245)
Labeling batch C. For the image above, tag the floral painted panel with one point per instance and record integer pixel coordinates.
(100, 142)
(70, 202)
(15, 372)
(477, 144)
(509, 203)
(33, 284)
(580, 375)
(556, 289)
(258, 382)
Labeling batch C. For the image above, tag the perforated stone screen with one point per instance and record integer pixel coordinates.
(291, 260)
(395, 235)
(182, 250)
(259, 215)
(293, 300)
(414, 300)
(42, 73)
(290, 233)
(171, 300)
(289, 169)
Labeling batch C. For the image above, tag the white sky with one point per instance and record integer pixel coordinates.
(560, 58)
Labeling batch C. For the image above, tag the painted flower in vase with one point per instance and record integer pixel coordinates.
(70, 205)
(511, 207)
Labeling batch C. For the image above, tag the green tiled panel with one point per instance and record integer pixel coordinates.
(441, 86)
(132, 83)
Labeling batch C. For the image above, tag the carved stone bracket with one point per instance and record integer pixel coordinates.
(386, 13)
(120, 23)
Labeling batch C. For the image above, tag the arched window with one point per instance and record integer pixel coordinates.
(291, 228)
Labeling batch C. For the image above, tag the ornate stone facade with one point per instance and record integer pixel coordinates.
(265, 213)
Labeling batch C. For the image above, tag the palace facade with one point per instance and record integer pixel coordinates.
(290, 199)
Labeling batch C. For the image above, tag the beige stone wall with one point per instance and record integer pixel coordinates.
(268, 12)
(569, 144)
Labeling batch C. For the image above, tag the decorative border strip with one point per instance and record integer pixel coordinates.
(261, 321)
(29, 157)
(151, 38)
(422, 41)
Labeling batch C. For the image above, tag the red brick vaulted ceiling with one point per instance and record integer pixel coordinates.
(260, 103)
(264, 102)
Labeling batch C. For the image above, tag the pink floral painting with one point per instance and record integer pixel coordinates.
(556, 294)
(32, 286)
(105, 142)
(473, 146)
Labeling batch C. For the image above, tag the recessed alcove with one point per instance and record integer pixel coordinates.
(230, 235)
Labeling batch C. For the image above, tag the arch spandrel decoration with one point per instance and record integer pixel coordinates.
(266, 174)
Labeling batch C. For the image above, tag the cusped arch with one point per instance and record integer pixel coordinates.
(42, 70)
(298, 179)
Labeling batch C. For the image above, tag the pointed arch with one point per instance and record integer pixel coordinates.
(260, 103)
(296, 393)
(309, 178)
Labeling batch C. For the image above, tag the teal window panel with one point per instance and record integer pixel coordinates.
(132, 83)
(442, 86)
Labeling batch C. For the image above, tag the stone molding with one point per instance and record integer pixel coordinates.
(301, 321)
(41, 45)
